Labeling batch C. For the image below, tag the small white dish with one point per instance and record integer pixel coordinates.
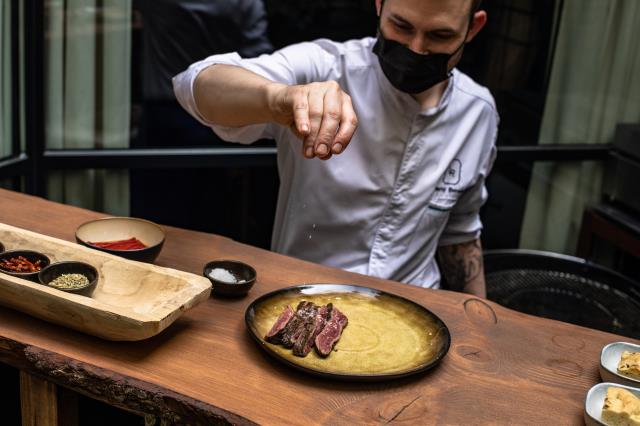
(595, 401)
(609, 359)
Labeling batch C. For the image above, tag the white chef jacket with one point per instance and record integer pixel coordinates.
(409, 181)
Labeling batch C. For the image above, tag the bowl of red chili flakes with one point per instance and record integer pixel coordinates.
(128, 237)
(23, 263)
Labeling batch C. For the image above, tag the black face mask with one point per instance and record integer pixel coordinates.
(409, 71)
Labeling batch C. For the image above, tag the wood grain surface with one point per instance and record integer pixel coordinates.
(503, 367)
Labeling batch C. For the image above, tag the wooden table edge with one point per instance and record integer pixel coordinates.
(125, 392)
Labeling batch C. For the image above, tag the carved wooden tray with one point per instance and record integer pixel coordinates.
(132, 301)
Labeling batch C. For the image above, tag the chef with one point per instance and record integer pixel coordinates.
(383, 145)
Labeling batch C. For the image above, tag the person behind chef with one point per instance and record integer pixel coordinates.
(409, 182)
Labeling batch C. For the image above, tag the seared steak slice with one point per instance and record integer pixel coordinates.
(275, 334)
(295, 327)
(330, 334)
(305, 342)
(293, 324)
(309, 314)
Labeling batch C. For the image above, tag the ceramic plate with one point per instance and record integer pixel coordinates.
(609, 360)
(595, 401)
(387, 336)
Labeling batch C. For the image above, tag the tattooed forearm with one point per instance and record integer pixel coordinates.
(462, 267)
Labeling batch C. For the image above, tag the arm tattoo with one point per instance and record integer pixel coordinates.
(462, 266)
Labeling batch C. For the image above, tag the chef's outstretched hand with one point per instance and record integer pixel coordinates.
(320, 114)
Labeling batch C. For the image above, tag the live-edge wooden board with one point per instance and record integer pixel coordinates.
(132, 301)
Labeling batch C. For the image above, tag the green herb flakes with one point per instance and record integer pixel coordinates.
(70, 281)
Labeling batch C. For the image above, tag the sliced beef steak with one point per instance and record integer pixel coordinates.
(330, 334)
(305, 313)
(305, 342)
(308, 326)
(275, 334)
(293, 323)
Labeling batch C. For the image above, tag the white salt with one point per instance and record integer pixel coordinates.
(222, 274)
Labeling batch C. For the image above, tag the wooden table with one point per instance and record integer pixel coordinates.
(503, 367)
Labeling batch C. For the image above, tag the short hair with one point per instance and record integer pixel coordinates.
(475, 6)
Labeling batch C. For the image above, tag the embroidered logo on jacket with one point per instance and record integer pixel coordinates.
(452, 175)
(446, 194)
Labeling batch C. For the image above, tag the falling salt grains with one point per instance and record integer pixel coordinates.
(312, 227)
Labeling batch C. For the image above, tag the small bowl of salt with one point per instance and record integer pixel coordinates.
(230, 277)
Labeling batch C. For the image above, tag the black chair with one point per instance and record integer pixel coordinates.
(563, 288)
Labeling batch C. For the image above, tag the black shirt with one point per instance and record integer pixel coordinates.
(177, 33)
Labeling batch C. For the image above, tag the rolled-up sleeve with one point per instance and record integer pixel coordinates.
(298, 64)
(464, 222)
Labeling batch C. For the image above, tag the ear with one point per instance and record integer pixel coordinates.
(378, 7)
(477, 23)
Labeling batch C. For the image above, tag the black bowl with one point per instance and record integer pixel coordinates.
(54, 270)
(122, 228)
(1, 247)
(241, 271)
(31, 256)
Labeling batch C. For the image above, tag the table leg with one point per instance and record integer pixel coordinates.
(44, 403)
(38, 400)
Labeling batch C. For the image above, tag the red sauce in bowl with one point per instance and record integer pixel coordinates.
(129, 244)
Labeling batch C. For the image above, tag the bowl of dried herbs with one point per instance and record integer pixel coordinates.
(70, 276)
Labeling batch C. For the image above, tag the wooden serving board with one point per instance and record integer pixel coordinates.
(132, 301)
